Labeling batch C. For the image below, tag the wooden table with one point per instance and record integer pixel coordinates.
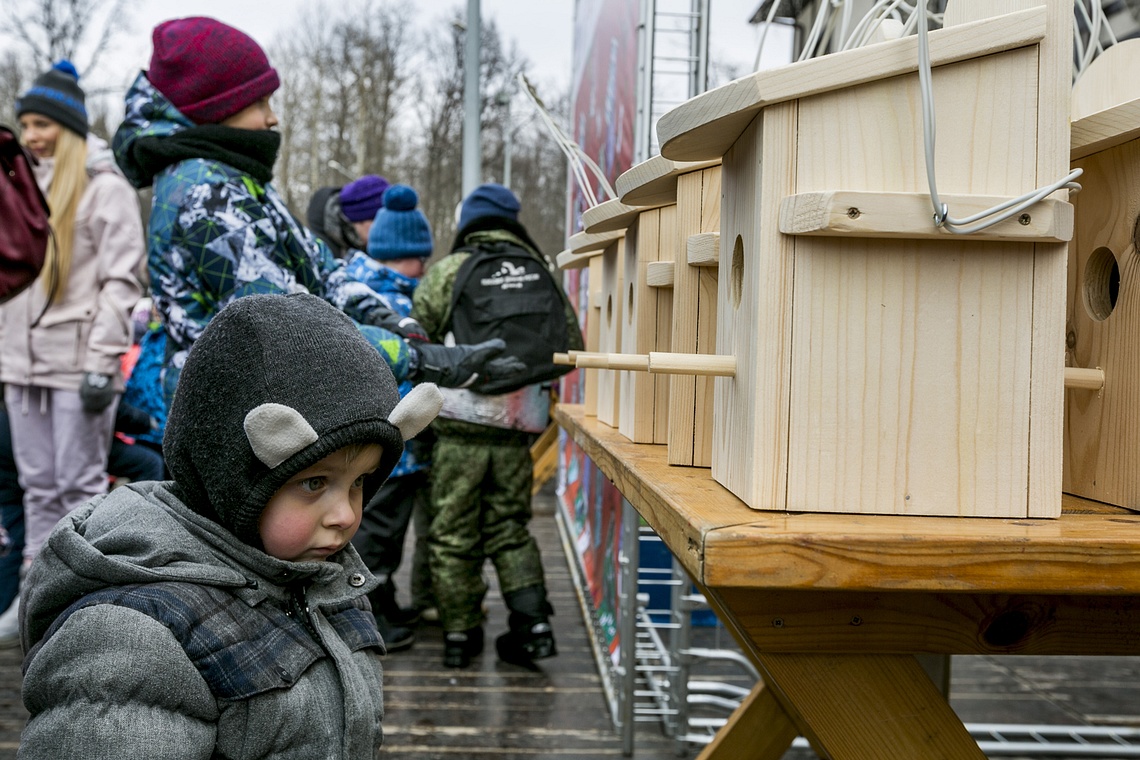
(834, 608)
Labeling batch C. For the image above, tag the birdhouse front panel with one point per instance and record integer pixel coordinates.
(647, 325)
(610, 329)
(694, 319)
(1102, 427)
(593, 334)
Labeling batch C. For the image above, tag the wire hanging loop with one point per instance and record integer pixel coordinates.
(991, 216)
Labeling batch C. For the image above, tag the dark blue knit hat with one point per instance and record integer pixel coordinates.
(400, 230)
(56, 94)
(362, 198)
(489, 200)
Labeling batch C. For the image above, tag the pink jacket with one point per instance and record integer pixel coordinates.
(90, 328)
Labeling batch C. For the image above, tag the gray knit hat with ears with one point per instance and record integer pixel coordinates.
(274, 384)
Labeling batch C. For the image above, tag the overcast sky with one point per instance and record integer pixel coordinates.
(542, 29)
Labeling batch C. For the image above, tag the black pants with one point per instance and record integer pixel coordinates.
(383, 527)
(11, 516)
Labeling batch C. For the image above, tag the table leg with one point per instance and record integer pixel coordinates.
(758, 730)
(855, 707)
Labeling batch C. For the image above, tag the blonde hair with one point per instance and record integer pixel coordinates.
(68, 183)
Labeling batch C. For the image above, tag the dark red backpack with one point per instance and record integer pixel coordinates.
(24, 229)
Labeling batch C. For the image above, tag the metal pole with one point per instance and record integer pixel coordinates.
(643, 124)
(700, 49)
(472, 151)
(629, 557)
(504, 99)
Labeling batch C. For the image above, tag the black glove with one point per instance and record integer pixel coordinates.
(462, 366)
(406, 327)
(96, 392)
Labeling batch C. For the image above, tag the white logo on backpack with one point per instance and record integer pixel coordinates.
(509, 277)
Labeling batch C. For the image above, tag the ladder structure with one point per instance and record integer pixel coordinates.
(673, 44)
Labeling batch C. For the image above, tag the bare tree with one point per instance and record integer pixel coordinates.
(360, 94)
(14, 79)
(79, 30)
(342, 82)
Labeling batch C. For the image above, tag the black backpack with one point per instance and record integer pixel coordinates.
(504, 290)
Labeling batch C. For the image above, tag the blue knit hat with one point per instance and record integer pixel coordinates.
(489, 200)
(362, 198)
(56, 94)
(400, 230)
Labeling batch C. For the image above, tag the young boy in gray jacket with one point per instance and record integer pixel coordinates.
(224, 613)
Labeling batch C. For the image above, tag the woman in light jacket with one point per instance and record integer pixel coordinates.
(62, 338)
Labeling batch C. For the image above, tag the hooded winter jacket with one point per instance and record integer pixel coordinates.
(152, 631)
(217, 234)
(89, 328)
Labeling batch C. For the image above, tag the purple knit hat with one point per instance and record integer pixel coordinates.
(362, 198)
(209, 70)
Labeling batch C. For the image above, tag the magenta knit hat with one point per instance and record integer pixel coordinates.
(209, 70)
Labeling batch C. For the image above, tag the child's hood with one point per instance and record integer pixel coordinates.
(273, 385)
(148, 114)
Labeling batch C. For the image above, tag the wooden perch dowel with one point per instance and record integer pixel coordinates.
(636, 362)
(563, 359)
(1084, 379)
(692, 364)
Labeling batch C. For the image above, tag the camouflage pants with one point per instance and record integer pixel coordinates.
(480, 507)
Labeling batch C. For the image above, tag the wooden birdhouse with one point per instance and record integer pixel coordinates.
(590, 250)
(687, 233)
(883, 364)
(1102, 337)
(646, 311)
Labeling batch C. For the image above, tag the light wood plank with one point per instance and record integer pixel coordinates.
(1092, 550)
(610, 216)
(757, 730)
(859, 707)
(694, 320)
(639, 317)
(654, 182)
(1104, 130)
(1102, 429)
(585, 242)
(1047, 388)
(1109, 81)
(910, 216)
(610, 332)
(659, 274)
(570, 260)
(667, 254)
(926, 623)
(703, 250)
(706, 126)
(593, 334)
(751, 414)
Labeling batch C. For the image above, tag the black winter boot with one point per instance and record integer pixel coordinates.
(384, 604)
(530, 636)
(396, 637)
(460, 646)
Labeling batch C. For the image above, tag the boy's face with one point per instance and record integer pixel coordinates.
(257, 115)
(318, 510)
